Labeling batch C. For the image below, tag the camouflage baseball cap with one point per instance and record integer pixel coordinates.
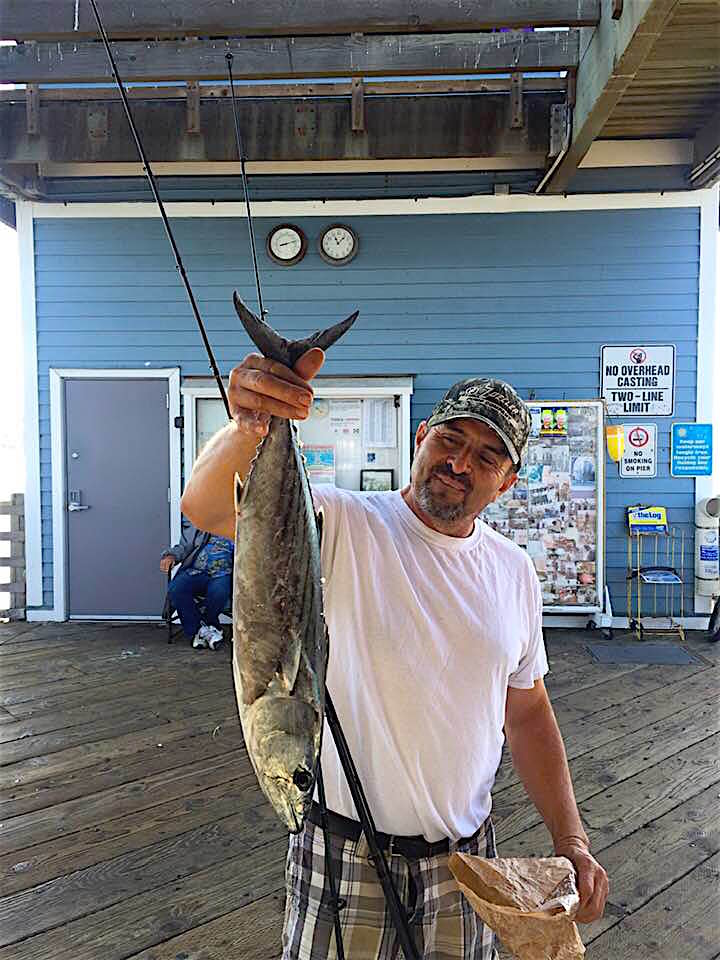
(494, 403)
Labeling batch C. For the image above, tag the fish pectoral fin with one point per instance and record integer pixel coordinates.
(319, 520)
(239, 489)
(289, 665)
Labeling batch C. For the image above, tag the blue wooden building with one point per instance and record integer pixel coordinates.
(527, 184)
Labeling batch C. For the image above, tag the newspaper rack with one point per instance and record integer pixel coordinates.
(655, 573)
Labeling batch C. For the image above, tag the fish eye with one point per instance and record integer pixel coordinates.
(302, 779)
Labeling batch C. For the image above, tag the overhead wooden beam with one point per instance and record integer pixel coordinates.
(309, 129)
(329, 88)
(608, 65)
(706, 153)
(293, 57)
(71, 21)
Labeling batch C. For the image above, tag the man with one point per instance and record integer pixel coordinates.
(436, 645)
(205, 575)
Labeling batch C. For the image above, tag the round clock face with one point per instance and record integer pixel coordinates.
(286, 244)
(338, 244)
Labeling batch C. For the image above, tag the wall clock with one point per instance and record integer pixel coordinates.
(286, 244)
(338, 244)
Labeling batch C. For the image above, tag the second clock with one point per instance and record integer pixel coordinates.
(338, 244)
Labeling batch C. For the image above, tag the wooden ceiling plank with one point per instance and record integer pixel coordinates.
(296, 57)
(67, 20)
(614, 55)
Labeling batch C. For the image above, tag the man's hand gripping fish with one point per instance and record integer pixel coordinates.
(280, 638)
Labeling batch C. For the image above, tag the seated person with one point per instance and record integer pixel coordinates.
(205, 572)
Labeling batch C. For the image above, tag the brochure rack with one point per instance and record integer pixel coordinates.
(655, 573)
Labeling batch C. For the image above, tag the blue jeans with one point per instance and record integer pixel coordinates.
(186, 587)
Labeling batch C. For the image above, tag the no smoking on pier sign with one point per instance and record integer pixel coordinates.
(639, 456)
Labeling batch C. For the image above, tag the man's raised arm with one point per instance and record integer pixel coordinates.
(258, 389)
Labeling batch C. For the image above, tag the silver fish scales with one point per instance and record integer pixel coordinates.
(280, 639)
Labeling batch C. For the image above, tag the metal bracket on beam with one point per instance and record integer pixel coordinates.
(32, 107)
(517, 116)
(193, 106)
(358, 105)
(617, 9)
(97, 124)
(559, 129)
(306, 121)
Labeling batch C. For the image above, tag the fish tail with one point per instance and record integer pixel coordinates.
(272, 345)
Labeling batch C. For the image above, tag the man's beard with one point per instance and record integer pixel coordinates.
(437, 506)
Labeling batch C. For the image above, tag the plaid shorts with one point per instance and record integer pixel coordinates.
(443, 923)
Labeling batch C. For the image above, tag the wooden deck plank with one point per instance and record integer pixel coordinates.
(614, 762)
(74, 852)
(626, 807)
(137, 795)
(75, 758)
(28, 700)
(586, 734)
(136, 713)
(681, 922)
(108, 772)
(251, 933)
(74, 895)
(145, 919)
(653, 858)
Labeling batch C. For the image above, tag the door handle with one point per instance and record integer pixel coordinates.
(74, 507)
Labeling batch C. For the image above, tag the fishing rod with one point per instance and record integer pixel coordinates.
(168, 230)
(395, 907)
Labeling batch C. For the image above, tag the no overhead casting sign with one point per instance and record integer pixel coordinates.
(639, 380)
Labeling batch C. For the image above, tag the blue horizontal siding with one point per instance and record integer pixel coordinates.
(528, 297)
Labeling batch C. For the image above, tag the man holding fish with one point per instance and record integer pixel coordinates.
(436, 655)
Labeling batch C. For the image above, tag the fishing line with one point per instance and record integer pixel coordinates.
(153, 186)
(395, 906)
(241, 156)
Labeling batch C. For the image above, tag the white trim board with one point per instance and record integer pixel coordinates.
(511, 203)
(602, 153)
(708, 349)
(57, 434)
(33, 510)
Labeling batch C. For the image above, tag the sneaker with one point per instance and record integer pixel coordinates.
(200, 640)
(214, 637)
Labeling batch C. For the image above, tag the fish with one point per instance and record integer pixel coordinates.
(280, 639)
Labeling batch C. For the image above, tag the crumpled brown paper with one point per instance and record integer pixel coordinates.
(529, 902)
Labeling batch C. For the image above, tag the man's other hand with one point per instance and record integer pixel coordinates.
(167, 563)
(592, 881)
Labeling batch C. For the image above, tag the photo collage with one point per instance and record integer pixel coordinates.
(552, 510)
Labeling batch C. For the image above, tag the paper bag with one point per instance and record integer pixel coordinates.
(530, 903)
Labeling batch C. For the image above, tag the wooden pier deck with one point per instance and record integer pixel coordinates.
(132, 827)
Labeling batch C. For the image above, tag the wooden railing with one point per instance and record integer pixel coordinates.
(15, 508)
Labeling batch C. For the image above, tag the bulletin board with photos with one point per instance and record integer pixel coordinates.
(555, 510)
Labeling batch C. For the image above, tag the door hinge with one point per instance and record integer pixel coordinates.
(167, 401)
(169, 498)
(179, 422)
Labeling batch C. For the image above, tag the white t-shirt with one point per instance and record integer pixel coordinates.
(426, 633)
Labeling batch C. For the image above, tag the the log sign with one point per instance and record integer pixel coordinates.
(639, 380)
